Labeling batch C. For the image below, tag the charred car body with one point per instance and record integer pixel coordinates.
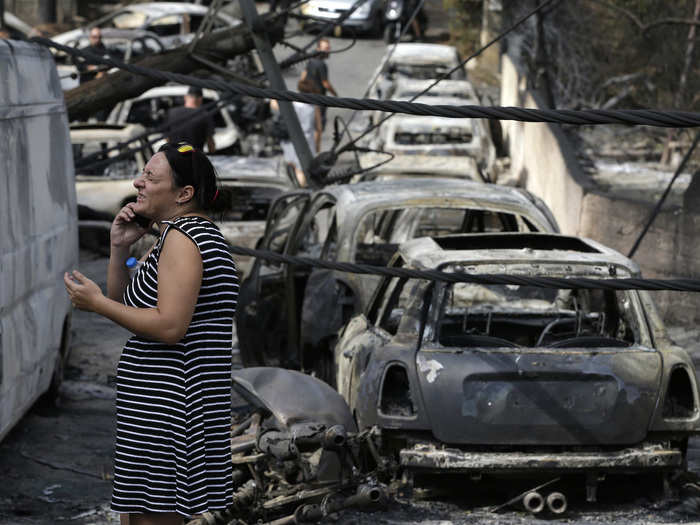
(289, 316)
(492, 379)
(437, 136)
(417, 61)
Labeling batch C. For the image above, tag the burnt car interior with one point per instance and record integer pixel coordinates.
(153, 112)
(500, 316)
(437, 136)
(127, 166)
(251, 203)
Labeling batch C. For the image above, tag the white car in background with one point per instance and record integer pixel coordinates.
(104, 187)
(414, 60)
(174, 22)
(407, 88)
(427, 135)
(150, 110)
(122, 44)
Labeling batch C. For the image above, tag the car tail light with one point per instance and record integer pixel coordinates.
(395, 400)
(679, 401)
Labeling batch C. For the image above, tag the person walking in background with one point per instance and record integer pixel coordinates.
(173, 449)
(310, 120)
(317, 71)
(190, 124)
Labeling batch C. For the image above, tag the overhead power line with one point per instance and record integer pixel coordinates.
(678, 285)
(677, 119)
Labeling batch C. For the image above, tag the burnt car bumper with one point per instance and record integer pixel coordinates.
(430, 458)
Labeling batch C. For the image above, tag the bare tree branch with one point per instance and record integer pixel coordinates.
(644, 28)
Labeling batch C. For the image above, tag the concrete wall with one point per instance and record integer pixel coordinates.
(545, 163)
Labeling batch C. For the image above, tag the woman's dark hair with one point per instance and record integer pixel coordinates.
(191, 166)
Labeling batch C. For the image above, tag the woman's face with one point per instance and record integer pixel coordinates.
(157, 193)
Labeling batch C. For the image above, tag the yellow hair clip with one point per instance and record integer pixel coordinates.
(185, 148)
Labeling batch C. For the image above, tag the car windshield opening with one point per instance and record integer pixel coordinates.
(474, 315)
(250, 203)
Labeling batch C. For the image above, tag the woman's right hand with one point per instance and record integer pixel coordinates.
(125, 231)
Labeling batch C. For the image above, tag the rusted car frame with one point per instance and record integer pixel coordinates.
(288, 316)
(490, 380)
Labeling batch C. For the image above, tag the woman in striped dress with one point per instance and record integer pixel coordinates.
(173, 455)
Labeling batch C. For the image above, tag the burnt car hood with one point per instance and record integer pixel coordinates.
(293, 397)
(538, 396)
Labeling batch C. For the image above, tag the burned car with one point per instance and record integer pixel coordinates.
(257, 183)
(123, 44)
(407, 88)
(415, 134)
(104, 176)
(150, 109)
(501, 379)
(288, 316)
(414, 60)
(401, 166)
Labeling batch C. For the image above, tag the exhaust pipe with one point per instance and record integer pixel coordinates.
(556, 502)
(533, 502)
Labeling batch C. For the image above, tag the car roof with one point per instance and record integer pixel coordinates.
(253, 170)
(83, 132)
(423, 54)
(358, 198)
(174, 90)
(512, 248)
(156, 9)
(427, 165)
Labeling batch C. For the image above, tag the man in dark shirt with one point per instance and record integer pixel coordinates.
(89, 71)
(317, 71)
(190, 123)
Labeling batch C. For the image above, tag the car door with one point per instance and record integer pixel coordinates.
(261, 318)
(306, 240)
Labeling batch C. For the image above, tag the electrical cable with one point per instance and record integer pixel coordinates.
(568, 283)
(667, 118)
(388, 56)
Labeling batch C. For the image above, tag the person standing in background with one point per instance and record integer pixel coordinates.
(190, 124)
(310, 121)
(317, 71)
(89, 71)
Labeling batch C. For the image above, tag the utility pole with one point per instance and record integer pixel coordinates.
(274, 75)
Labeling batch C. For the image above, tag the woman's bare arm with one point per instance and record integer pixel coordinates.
(179, 280)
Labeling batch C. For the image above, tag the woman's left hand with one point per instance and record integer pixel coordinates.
(83, 292)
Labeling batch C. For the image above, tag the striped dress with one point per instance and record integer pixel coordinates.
(173, 448)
